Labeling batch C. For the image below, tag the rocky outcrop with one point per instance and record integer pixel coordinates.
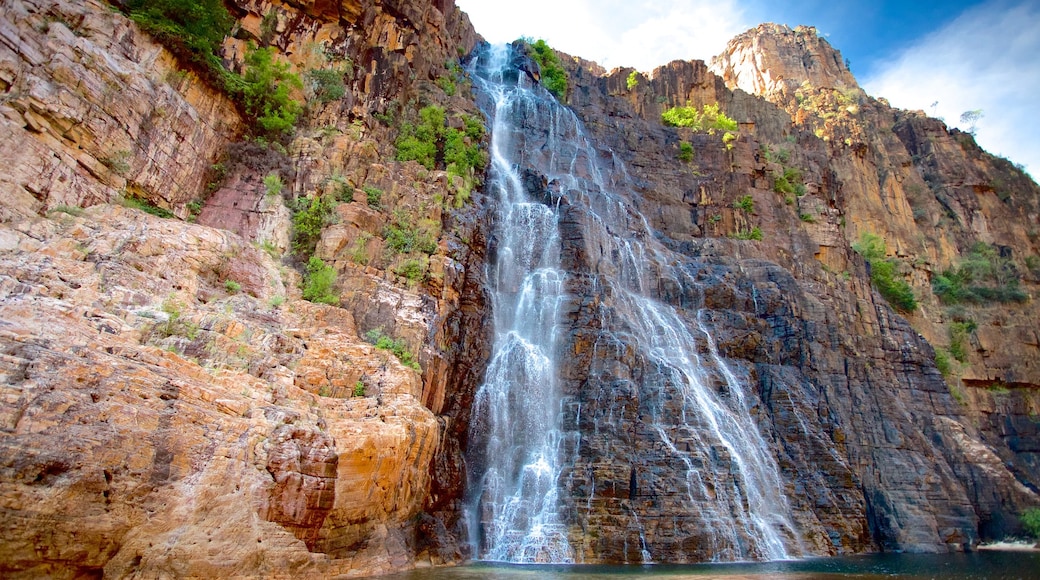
(156, 420)
(202, 419)
(773, 61)
(893, 455)
(93, 109)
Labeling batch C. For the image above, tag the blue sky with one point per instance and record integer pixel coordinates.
(955, 54)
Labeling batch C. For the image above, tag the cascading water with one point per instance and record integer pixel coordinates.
(528, 502)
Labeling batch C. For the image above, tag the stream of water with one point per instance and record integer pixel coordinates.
(697, 408)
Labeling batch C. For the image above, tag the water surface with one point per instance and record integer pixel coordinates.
(982, 565)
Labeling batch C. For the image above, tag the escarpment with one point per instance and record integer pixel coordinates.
(173, 405)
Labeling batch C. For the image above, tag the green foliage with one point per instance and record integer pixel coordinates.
(1031, 521)
(685, 152)
(176, 324)
(959, 332)
(396, 346)
(412, 269)
(807, 218)
(192, 29)
(144, 205)
(232, 286)
(373, 195)
(633, 80)
(266, 91)
(418, 142)
(326, 84)
(276, 301)
(310, 217)
(405, 236)
(753, 234)
(273, 184)
(118, 162)
(359, 388)
(745, 204)
(983, 276)
(884, 273)
(554, 78)
(790, 182)
(447, 85)
(942, 362)
(459, 148)
(709, 118)
(319, 282)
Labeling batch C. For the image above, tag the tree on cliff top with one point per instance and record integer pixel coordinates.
(192, 29)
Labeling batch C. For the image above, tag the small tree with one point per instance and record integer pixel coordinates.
(267, 87)
(1031, 522)
(971, 118)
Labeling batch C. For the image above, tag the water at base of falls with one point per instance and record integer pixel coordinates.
(692, 403)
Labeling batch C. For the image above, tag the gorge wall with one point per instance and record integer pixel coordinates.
(172, 406)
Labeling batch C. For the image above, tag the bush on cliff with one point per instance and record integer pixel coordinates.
(1031, 522)
(884, 273)
(191, 29)
(319, 282)
(554, 78)
(709, 118)
(266, 89)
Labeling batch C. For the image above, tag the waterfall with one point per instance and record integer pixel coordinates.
(571, 241)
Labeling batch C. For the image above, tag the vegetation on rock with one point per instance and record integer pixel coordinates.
(884, 273)
(394, 345)
(319, 282)
(554, 78)
(983, 276)
(709, 119)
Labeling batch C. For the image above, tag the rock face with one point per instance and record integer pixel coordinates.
(153, 420)
(94, 109)
(171, 406)
(878, 451)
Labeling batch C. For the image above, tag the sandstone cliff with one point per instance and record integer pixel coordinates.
(171, 405)
(903, 458)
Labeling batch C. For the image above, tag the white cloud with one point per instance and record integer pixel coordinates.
(642, 34)
(985, 59)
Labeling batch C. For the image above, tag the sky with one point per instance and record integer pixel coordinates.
(944, 57)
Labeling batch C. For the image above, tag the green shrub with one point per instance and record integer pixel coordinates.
(1031, 521)
(266, 88)
(412, 269)
(554, 78)
(144, 205)
(359, 388)
(753, 234)
(232, 286)
(319, 282)
(310, 217)
(884, 274)
(959, 332)
(633, 80)
(685, 152)
(942, 362)
(404, 236)
(447, 85)
(273, 184)
(373, 195)
(745, 204)
(396, 346)
(710, 118)
(327, 84)
(983, 276)
(807, 218)
(192, 30)
(418, 142)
